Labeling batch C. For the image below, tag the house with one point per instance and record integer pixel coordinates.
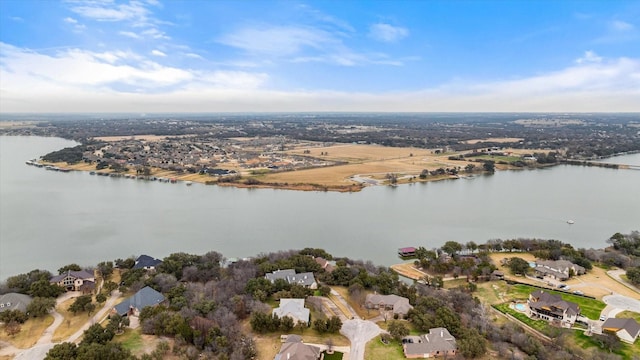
(294, 349)
(289, 275)
(87, 287)
(327, 265)
(626, 330)
(407, 251)
(558, 269)
(400, 305)
(551, 307)
(498, 275)
(146, 262)
(143, 298)
(14, 301)
(438, 342)
(293, 308)
(73, 280)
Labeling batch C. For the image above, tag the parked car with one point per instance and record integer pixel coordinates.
(603, 317)
(578, 292)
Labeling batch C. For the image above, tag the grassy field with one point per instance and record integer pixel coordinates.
(71, 322)
(588, 307)
(376, 350)
(586, 342)
(629, 315)
(335, 356)
(131, 340)
(539, 325)
(29, 333)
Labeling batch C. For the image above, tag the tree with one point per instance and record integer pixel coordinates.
(451, 247)
(96, 334)
(398, 330)
(8, 316)
(489, 166)
(472, 246)
(44, 288)
(107, 351)
(40, 306)
(81, 304)
(63, 351)
(518, 266)
(633, 274)
(320, 326)
(12, 328)
(334, 324)
(117, 323)
(101, 298)
(105, 269)
(472, 344)
(70, 267)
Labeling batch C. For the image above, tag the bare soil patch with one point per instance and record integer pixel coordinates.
(29, 333)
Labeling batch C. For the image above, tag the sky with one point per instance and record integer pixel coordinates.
(276, 56)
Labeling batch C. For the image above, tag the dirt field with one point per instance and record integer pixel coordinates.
(595, 283)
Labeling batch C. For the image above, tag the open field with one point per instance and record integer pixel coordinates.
(71, 322)
(29, 333)
(376, 349)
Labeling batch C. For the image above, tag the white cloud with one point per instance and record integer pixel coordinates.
(78, 80)
(155, 34)
(620, 25)
(589, 57)
(70, 20)
(193, 56)
(158, 53)
(130, 34)
(109, 10)
(277, 40)
(387, 33)
(16, 18)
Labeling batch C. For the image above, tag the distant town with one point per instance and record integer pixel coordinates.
(343, 152)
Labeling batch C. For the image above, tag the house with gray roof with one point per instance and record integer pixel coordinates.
(293, 308)
(144, 297)
(289, 275)
(400, 305)
(550, 307)
(295, 349)
(626, 330)
(558, 269)
(15, 301)
(438, 342)
(73, 280)
(146, 262)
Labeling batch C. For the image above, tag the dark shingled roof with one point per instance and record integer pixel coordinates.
(143, 298)
(146, 261)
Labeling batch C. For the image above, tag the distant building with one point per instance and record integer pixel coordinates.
(15, 301)
(293, 308)
(327, 265)
(551, 307)
(73, 280)
(400, 305)
(407, 251)
(289, 275)
(146, 262)
(627, 330)
(437, 343)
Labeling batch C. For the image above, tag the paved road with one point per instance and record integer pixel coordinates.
(615, 274)
(97, 317)
(359, 332)
(622, 302)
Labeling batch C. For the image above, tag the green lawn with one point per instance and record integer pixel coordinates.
(130, 340)
(590, 308)
(626, 350)
(335, 356)
(376, 350)
(539, 325)
(629, 315)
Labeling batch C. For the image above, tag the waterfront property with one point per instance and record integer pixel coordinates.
(74, 280)
(146, 262)
(558, 269)
(134, 304)
(289, 275)
(398, 304)
(407, 251)
(552, 308)
(627, 330)
(293, 308)
(438, 342)
(14, 301)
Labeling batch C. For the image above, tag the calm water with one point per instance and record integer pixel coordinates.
(48, 219)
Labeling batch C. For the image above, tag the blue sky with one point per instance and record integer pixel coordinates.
(209, 56)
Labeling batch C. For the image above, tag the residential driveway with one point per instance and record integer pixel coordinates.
(359, 332)
(622, 302)
(97, 317)
(345, 304)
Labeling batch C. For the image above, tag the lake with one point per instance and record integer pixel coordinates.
(49, 219)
